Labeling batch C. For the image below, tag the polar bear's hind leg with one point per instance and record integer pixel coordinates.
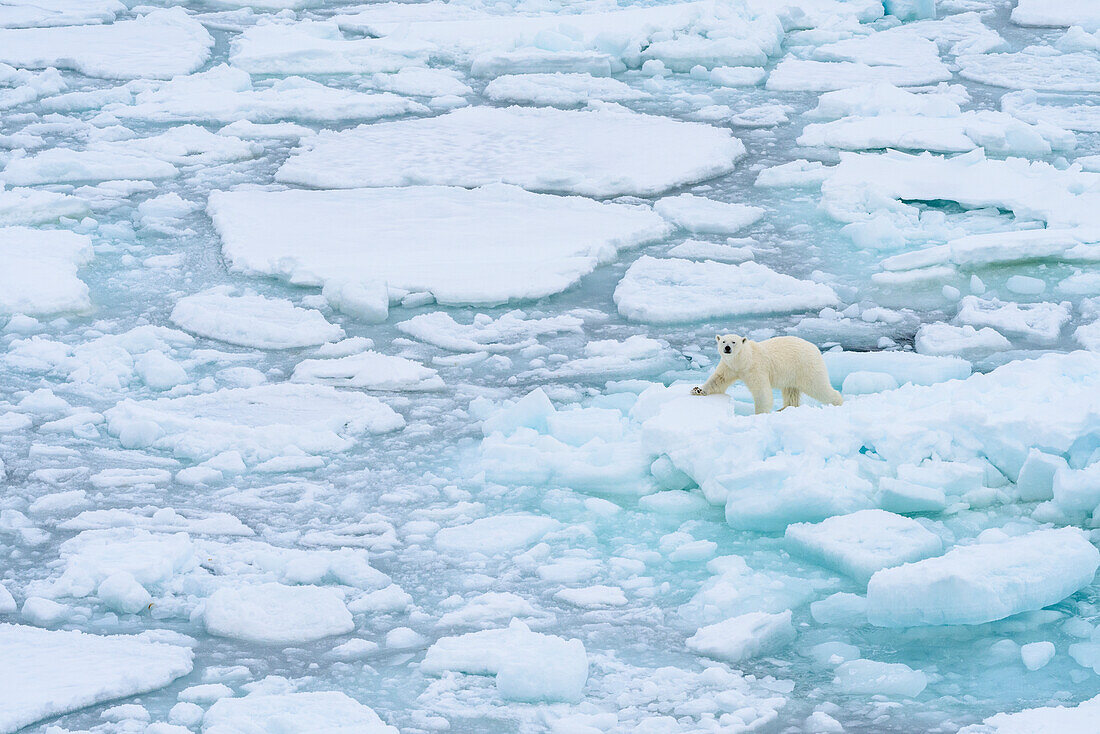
(792, 397)
(823, 392)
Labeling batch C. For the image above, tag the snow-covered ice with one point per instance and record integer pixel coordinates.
(40, 273)
(226, 94)
(590, 152)
(346, 351)
(467, 255)
(864, 542)
(159, 45)
(293, 713)
(261, 423)
(274, 614)
(671, 290)
(984, 582)
(53, 672)
(252, 320)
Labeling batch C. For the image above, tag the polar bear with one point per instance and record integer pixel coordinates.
(793, 365)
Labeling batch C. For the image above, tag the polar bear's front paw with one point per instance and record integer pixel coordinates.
(697, 391)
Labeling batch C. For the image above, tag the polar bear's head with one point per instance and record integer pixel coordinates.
(729, 344)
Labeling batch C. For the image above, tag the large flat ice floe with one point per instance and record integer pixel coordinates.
(466, 254)
(39, 275)
(252, 320)
(261, 423)
(370, 371)
(154, 157)
(276, 614)
(823, 76)
(996, 132)
(1064, 199)
(159, 45)
(47, 673)
(32, 14)
(1034, 68)
(984, 582)
(294, 713)
(318, 47)
(591, 152)
(671, 290)
(226, 94)
(677, 34)
(864, 542)
(1079, 719)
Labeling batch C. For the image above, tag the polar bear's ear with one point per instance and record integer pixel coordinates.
(744, 339)
(717, 337)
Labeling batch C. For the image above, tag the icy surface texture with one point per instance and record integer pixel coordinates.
(346, 353)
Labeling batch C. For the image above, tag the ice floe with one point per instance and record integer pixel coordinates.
(670, 290)
(294, 713)
(316, 47)
(461, 255)
(368, 370)
(252, 320)
(590, 152)
(90, 669)
(559, 90)
(262, 423)
(40, 271)
(226, 94)
(985, 581)
(274, 614)
(159, 45)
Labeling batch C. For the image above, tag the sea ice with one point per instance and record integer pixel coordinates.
(590, 152)
(864, 542)
(276, 614)
(559, 90)
(154, 157)
(740, 638)
(158, 45)
(40, 271)
(1053, 109)
(467, 254)
(994, 131)
(261, 423)
(252, 320)
(509, 332)
(52, 672)
(699, 214)
(1044, 720)
(368, 370)
(226, 94)
(317, 47)
(293, 713)
(1034, 68)
(823, 76)
(1070, 13)
(965, 341)
(904, 368)
(528, 666)
(874, 677)
(672, 290)
(43, 13)
(1040, 321)
(494, 535)
(984, 582)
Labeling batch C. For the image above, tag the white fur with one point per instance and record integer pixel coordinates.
(788, 363)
